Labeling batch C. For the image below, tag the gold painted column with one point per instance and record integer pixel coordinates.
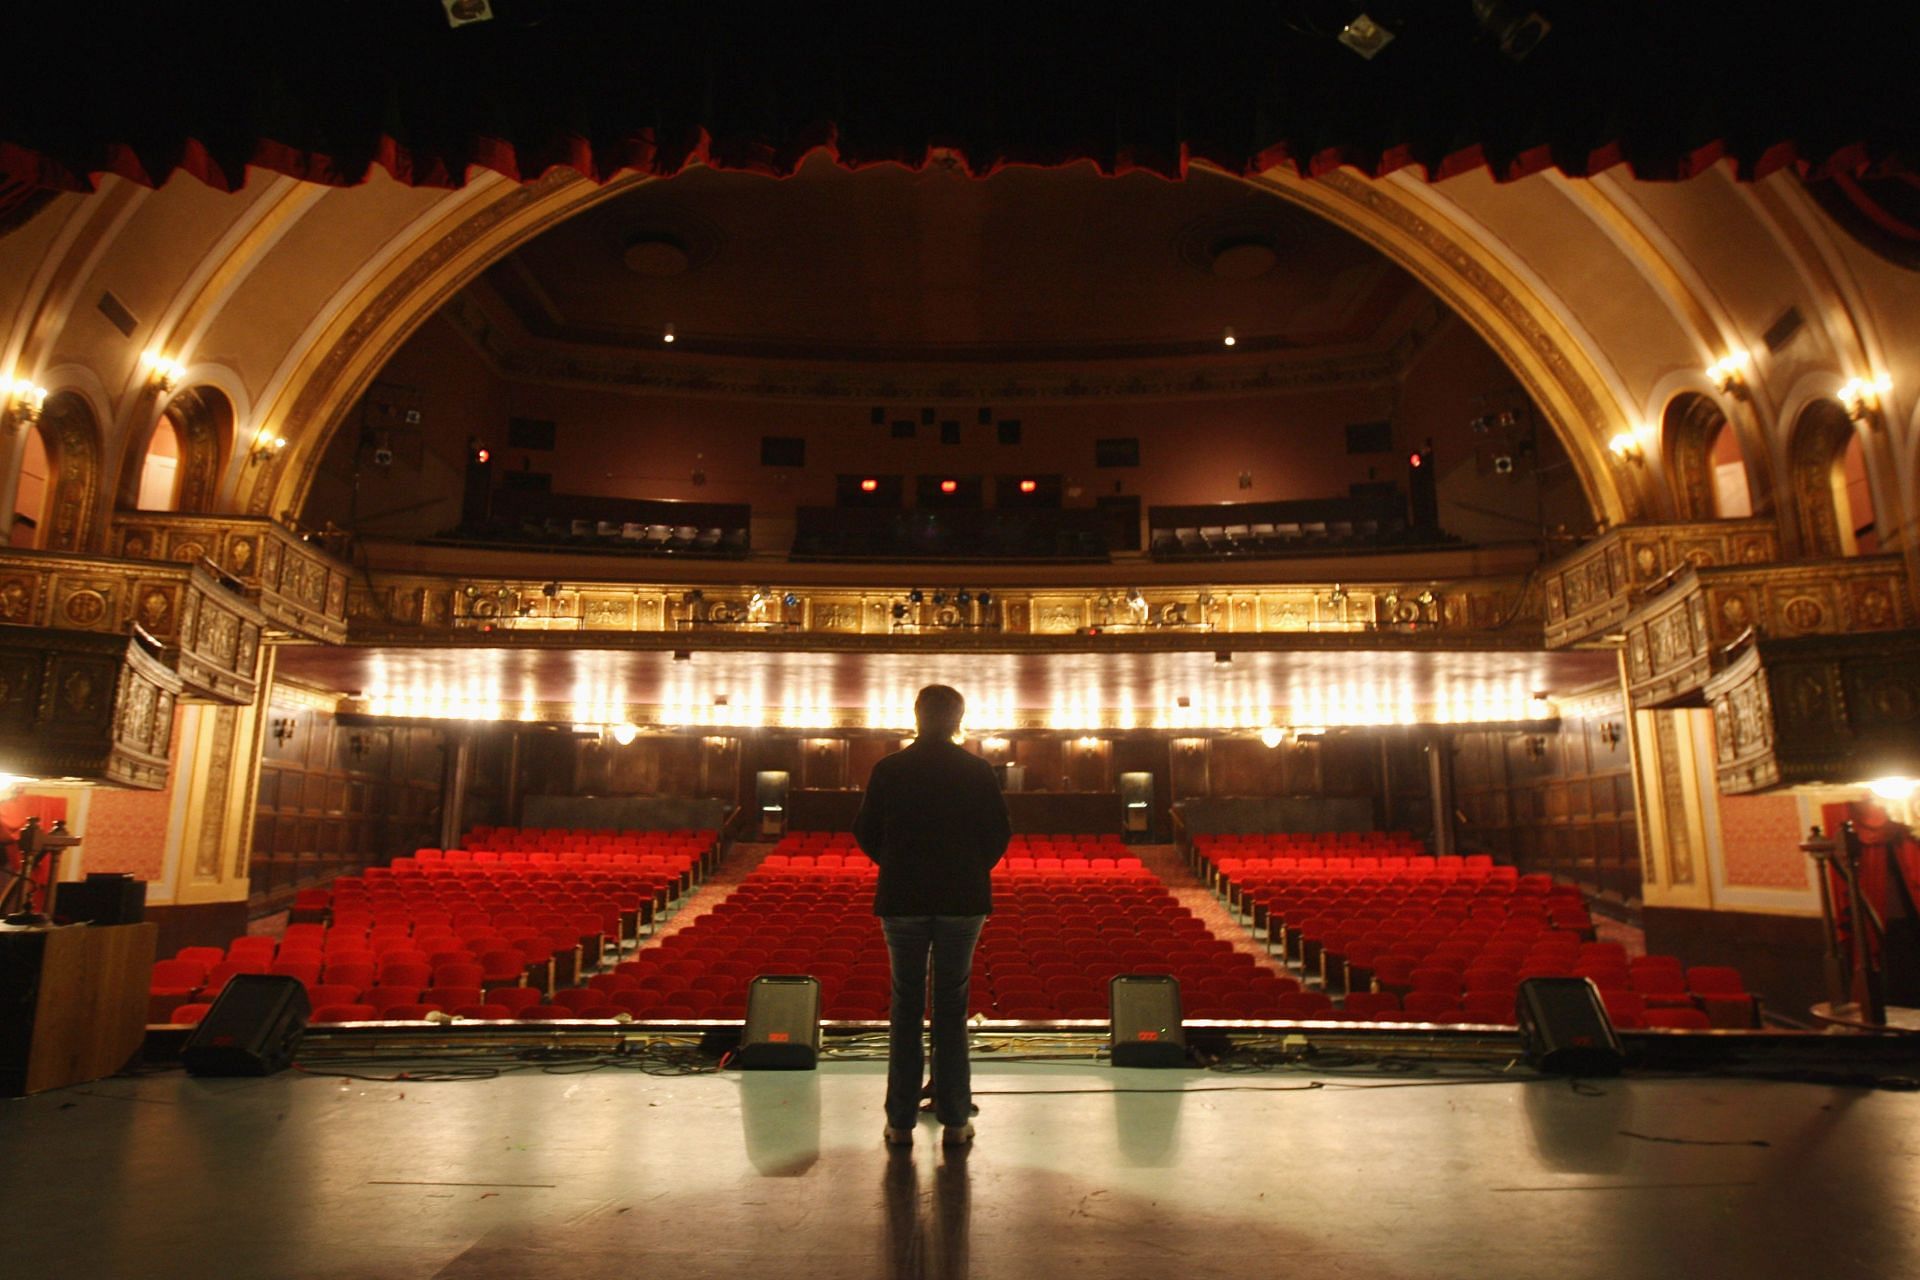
(216, 776)
(1673, 828)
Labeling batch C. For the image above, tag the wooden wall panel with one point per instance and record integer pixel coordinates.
(1559, 803)
(332, 798)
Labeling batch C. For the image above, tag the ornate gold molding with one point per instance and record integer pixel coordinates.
(1681, 633)
(1832, 709)
(297, 586)
(417, 608)
(211, 634)
(1589, 591)
(84, 705)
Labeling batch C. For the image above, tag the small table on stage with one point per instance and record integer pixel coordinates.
(73, 1002)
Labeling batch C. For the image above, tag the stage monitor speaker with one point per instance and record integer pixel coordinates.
(783, 1024)
(252, 1028)
(1146, 1021)
(1564, 1028)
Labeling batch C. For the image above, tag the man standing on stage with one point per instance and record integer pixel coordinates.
(935, 822)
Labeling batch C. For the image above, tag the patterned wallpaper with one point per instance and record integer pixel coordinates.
(1760, 842)
(127, 830)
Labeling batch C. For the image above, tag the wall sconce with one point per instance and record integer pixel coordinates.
(266, 446)
(165, 373)
(1272, 736)
(624, 733)
(1610, 733)
(1861, 396)
(1628, 446)
(25, 400)
(1729, 373)
(282, 728)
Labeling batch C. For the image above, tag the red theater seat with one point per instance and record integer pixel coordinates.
(344, 1013)
(1676, 1019)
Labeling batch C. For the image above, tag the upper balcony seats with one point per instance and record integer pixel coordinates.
(622, 526)
(1366, 521)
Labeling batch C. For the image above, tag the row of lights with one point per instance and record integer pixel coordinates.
(1068, 715)
(1860, 397)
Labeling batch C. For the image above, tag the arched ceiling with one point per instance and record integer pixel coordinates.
(891, 264)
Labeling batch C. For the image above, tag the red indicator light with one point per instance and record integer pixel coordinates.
(949, 486)
(481, 455)
(869, 485)
(1416, 460)
(1028, 486)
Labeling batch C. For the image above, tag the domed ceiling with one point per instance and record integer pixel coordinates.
(887, 264)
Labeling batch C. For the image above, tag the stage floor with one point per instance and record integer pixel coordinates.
(1080, 1170)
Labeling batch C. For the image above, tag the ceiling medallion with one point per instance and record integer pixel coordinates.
(655, 257)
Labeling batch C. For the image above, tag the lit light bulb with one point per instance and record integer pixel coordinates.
(1228, 338)
(625, 732)
(668, 334)
(1894, 788)
(1272, 736)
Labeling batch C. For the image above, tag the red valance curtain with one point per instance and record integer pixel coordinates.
(327, 91)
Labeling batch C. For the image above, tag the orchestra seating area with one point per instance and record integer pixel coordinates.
(1408, 937)
(530, 924)
(485, 931)
(1070, 913)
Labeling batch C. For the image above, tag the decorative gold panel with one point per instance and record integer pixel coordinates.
(1679, 635)
(298, 586)
(205, 626)
(387, 606)
(1817, 709)
(1589, 591)
(79, 704)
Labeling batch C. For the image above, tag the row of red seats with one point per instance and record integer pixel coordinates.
(1457, 950)
(487, 926)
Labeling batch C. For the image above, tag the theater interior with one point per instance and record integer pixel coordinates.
(1423, 505)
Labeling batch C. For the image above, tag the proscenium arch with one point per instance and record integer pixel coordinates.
(444, 255)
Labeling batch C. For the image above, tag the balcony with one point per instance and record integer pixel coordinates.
(297, 586)
(1589, 592)
(1691, 619)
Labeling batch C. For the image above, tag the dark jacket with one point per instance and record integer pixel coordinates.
(935, 822)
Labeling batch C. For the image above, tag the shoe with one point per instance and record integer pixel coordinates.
(899, 1137)
(956, 1135)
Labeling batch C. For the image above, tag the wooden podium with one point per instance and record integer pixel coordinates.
(73, 1003)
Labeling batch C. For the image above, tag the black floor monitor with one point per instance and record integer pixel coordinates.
(252, 1029)
(783, 1024)
(1147, 1029)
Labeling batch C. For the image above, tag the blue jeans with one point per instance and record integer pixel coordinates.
(949, 941)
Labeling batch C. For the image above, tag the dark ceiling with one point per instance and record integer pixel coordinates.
(327, 91)
(888, 263)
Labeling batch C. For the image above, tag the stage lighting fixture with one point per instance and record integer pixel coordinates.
(1365, 36)
(1516, 28)
(1028, 486)
(869, 484)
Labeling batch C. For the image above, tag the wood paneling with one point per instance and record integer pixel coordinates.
(332, 798)
(1560, 803)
